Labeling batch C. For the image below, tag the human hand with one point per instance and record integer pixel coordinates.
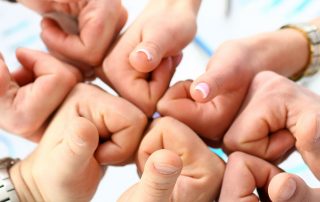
(156, 184)
(183, 152)
(286, 187)
(210, 103)
(83, 135)
(63, 167)
(116, 120)
(126, 66)
(276, 114)
(209, 120)
(155, 36)
(31, 94)
(98, 22)
(245, 173)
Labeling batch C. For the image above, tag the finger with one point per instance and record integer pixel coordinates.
(153, 48)
(122, 21)
(259, 131)
(161, 77)
(91, 27)
(80, 140)
(23, 76)
(146, 92)
(242, 177)
(307, 136)
(200, 166)
(159, 177)
(5, 78)
(65, 1)
(117, 122)
(52, 77)
(222, 76)
(209, 120)
(286, 187)
(38, 61)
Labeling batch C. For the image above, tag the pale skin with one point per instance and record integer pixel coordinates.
(276, 116)
(187, 177)
(144, 58)
(242, 177)
(25, 106)
(116, 120)
(214, 99)
(93, 19)
(70, 153)
(245, 173)
(287, 187)
(72, 138)
(141, 63)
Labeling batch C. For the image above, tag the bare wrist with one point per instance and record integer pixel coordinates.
(285, 51)
(186, 5)
(192, 4)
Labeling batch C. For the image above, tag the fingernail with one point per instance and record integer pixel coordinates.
(77, 140)
(165, 169)
(288, 190)
(146, 52)
(203, 88)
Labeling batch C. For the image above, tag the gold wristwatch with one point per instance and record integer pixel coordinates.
(312, 34)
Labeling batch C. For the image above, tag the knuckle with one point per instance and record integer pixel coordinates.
(91, 58)
(167, 122)
(231, 143)
(65, 76)
(158, 188)
(238, 157)
(24, 125)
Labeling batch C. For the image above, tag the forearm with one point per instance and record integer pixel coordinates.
(286, 51)
(190, 5)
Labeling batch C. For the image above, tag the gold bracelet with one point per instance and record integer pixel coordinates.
(312, 35)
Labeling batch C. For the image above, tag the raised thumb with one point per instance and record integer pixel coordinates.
(159, 177)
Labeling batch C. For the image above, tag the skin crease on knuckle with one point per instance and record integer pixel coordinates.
(212, 166)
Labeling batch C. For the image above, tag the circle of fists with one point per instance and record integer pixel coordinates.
(258, 118)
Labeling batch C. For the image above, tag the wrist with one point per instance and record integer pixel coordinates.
(193, 5)
(285, 51)
(184, 5)
(20, 184)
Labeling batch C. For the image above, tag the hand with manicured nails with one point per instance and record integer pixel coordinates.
(209, 120)
(245, 173)
(98, 22)
(143, 60)
(31, 94)
(276, 115)
(183, 170)
(209, 111)
(210, 103)
(119, 123)
(286, 187)
(155, 35)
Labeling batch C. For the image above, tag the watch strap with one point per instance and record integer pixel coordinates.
(312, 35)
(7, 191)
